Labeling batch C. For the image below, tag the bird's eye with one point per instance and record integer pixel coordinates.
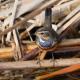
(41, 33)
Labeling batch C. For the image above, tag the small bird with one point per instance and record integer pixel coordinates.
(45, 39)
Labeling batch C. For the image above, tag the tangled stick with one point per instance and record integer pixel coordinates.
(59, 72)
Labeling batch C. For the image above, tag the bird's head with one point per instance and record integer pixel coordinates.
(43, 34)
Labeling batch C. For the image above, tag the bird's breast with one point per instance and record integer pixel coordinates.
(45, 43)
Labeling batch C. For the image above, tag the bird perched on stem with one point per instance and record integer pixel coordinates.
(46, 37)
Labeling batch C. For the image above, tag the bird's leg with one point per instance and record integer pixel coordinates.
(52, 60)
(39, 60)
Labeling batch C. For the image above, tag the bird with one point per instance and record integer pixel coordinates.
(46, 37)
